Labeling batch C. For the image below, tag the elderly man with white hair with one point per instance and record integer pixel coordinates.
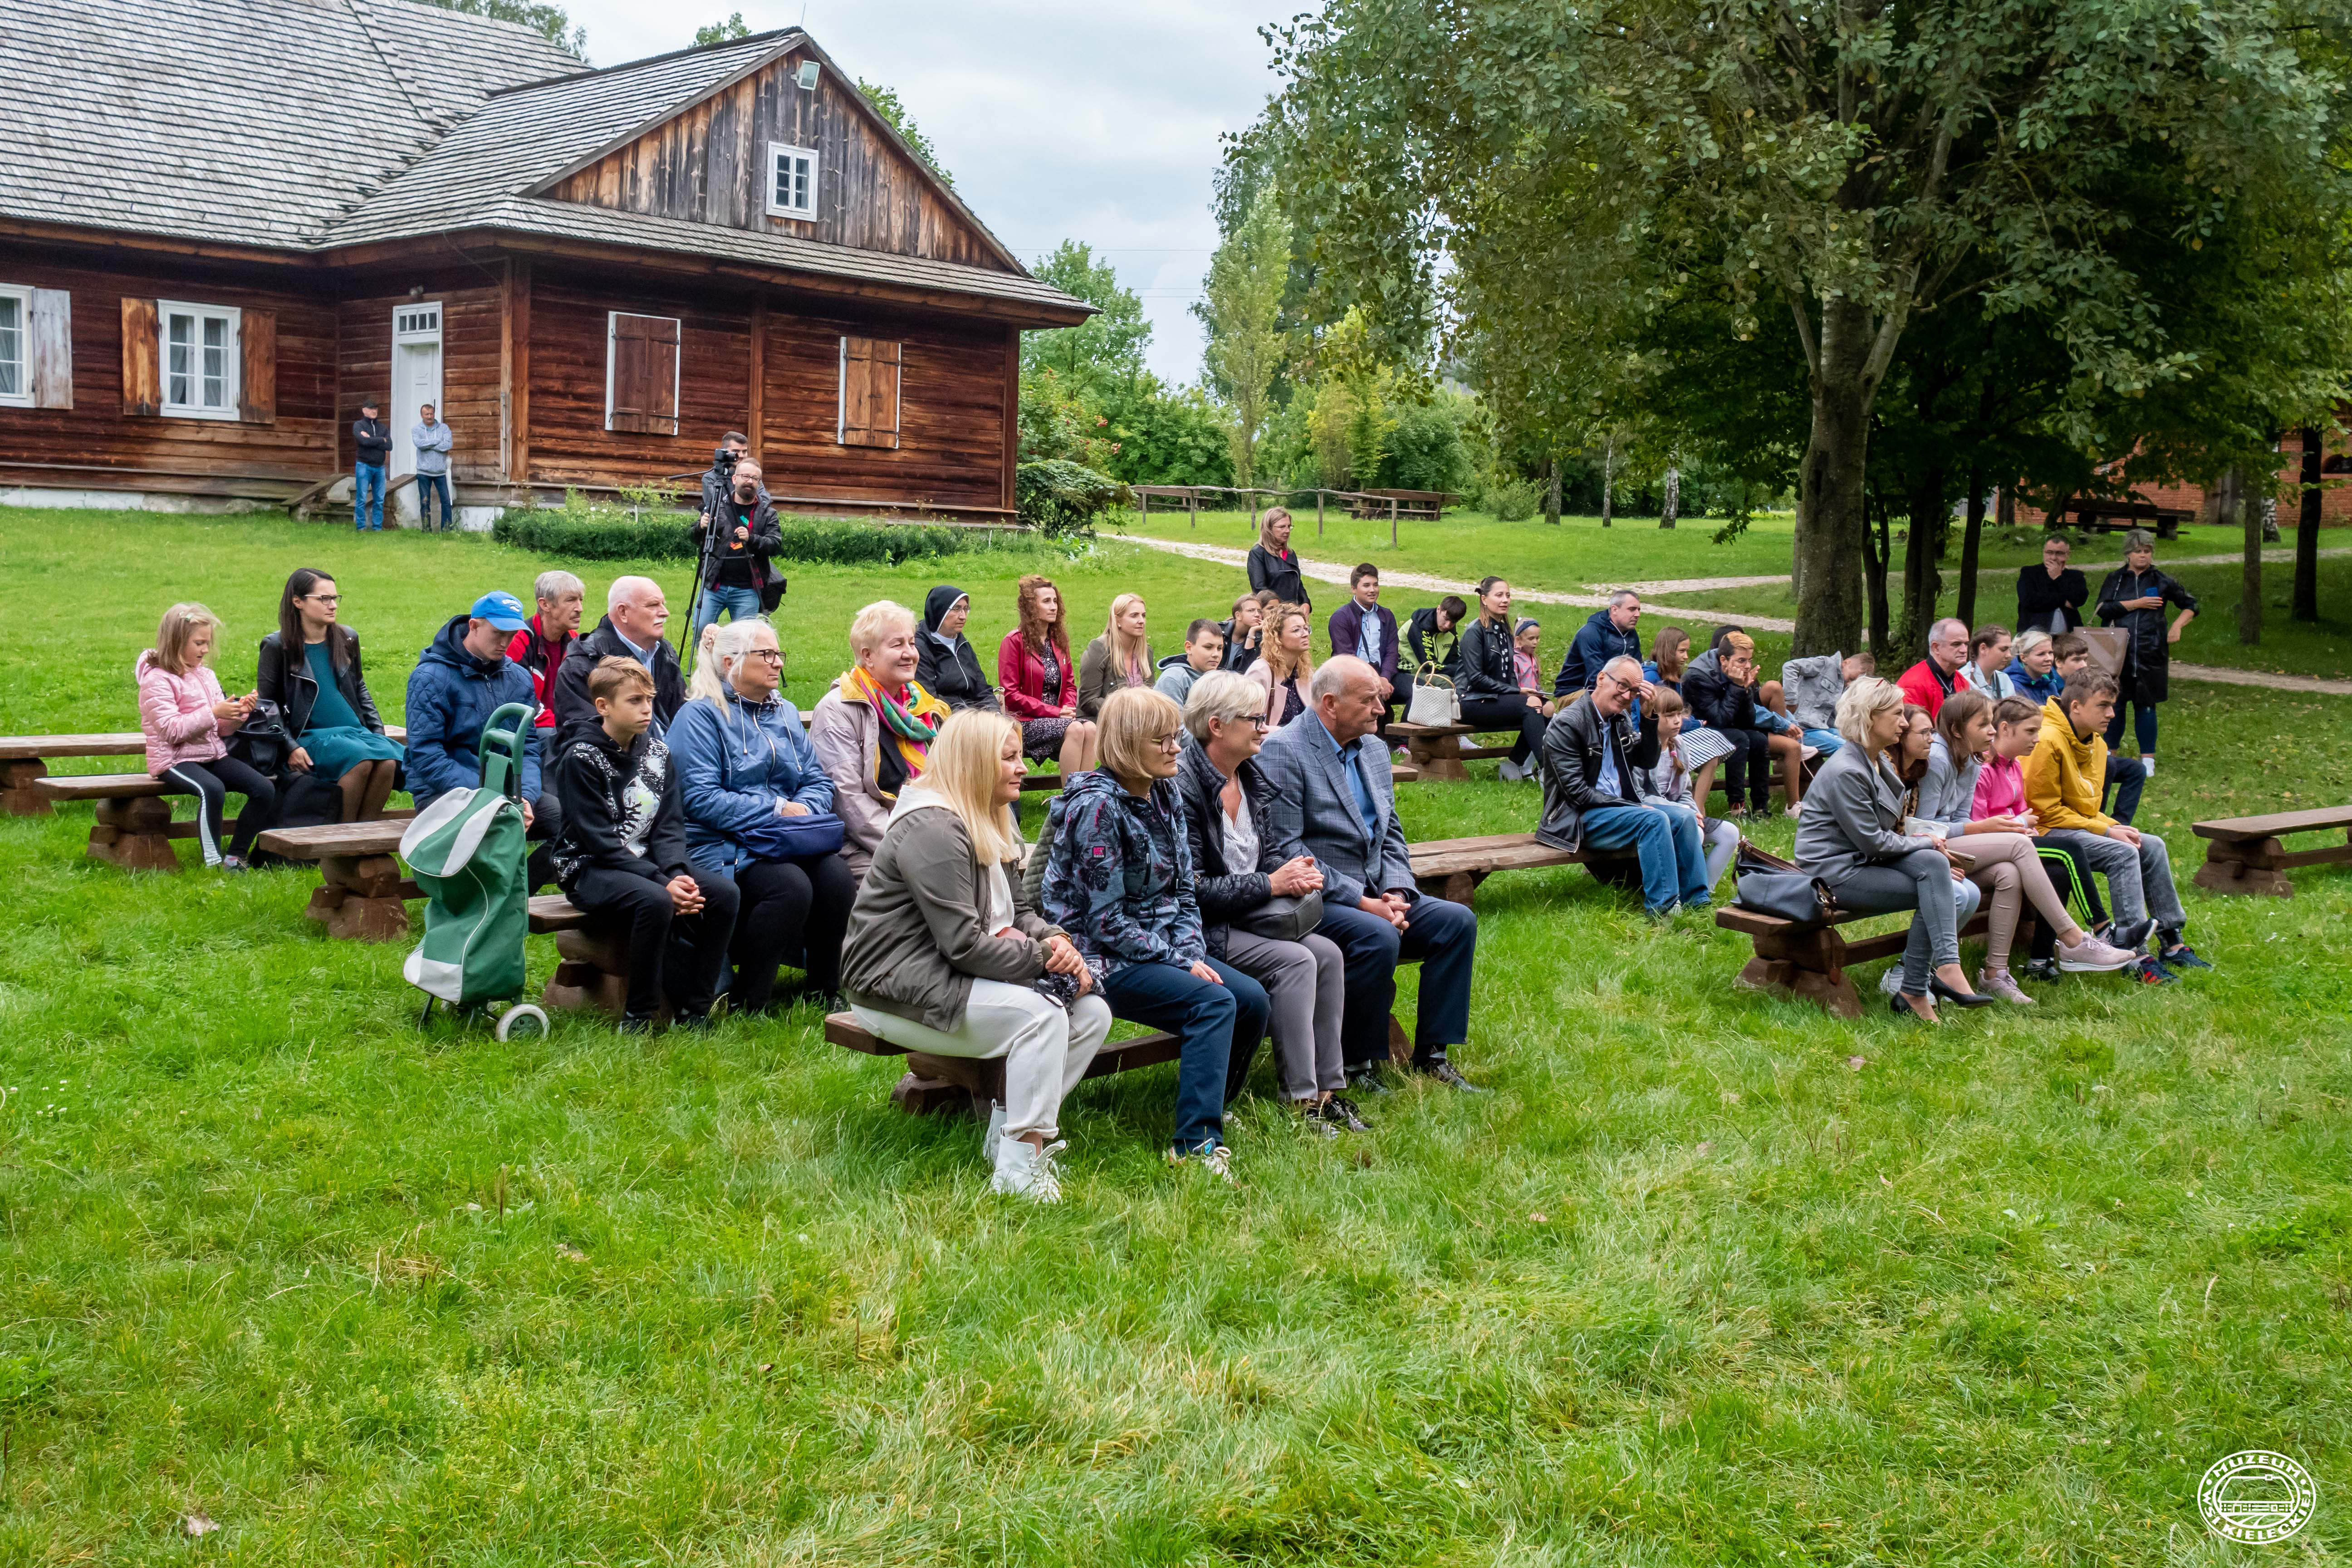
(1332, 798)
(540, 646)
(1592, 763)
(635, 614)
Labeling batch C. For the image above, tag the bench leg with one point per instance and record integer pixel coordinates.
(1455, 886)
(592, 977)
(1438, 758)
(135, 835)
(2244, 868)
(1809, 965)
(360, 899)
(18, 797)
(956, 1086)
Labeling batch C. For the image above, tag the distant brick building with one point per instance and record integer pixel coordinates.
(2335, 496)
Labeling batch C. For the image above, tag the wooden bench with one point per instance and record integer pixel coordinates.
(2093, 515)
(134, 827)
(24, 764)
(2243, 854)
(1808, 962)
(363, 894)
(1452, 868)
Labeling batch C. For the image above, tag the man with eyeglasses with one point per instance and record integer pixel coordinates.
(462, 678)
(1936, 677)
(2051, 596)
(1592, 763)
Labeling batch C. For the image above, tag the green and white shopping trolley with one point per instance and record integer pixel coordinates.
(467, 850)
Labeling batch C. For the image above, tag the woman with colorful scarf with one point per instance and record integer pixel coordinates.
(873, 729)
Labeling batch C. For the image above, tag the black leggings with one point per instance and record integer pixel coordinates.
(212, 782)
(2045, 941)
(1747, 769)
(670, 955)
(791, 909)
(1487, 714)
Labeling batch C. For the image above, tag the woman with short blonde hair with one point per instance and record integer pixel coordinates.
(873, 731)
(945, 957)
(1120, 657)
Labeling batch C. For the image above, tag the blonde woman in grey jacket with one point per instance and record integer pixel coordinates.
(945, 958)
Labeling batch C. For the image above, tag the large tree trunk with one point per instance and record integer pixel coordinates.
(1674, 496)
(1875, 543)
(1931, 516)
(2250, 575)
(1551, 490)
(1608, 478)
(1830, 519)
(1970, 541)
(2307, 531)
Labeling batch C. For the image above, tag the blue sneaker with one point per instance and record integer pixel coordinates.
(2181, 957)
(2150, 971)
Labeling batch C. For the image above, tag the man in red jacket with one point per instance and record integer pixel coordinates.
(1932, 679)
(539, 647)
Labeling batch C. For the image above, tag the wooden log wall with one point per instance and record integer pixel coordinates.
(471, 348)
(710, 165)
(93, 446)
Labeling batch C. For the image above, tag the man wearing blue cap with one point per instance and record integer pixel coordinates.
(461, 679)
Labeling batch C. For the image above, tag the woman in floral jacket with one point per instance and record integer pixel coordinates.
(1119, 880)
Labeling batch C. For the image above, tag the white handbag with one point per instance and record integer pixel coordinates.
(1434, 700)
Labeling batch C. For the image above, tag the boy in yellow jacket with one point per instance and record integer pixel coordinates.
(2063, 777)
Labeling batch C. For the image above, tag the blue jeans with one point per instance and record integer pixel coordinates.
(1443, 938)
(367, 497)
(740, 603)
(1825, 742)
(426, 485)
(1220, 1026)
(1665, 841)
(2143, 717)
(2126, 779)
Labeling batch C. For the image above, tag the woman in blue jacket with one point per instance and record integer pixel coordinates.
(759, 809)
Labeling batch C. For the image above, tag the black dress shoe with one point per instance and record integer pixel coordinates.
(1366, 1080)
(1445, 1072)
(1902, 1009)
(635, 1024)
(1341, 1112)
(1943, 992)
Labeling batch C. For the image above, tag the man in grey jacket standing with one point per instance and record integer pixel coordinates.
(432, 439)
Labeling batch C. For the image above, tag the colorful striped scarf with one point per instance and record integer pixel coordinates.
(908, 724)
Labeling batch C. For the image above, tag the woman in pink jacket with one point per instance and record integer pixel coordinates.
(186, 720)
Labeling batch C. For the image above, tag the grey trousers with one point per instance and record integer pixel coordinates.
(1921, 880)
(1306, 983)
(2139, 881)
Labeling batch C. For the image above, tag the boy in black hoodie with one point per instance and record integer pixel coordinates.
(621, 855)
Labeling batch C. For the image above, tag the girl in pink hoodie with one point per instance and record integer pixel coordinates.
(186, 720)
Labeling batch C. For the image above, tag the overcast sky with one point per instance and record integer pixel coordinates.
(1090, 120)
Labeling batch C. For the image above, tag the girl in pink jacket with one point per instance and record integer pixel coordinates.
(186, 721)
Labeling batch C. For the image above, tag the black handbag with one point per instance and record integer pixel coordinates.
(1282, 918)
(261, 742)
(1749, 857)
(1790, 895)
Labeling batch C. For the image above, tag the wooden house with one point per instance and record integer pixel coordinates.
(226, 224)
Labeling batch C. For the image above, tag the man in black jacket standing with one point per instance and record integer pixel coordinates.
(738, 574)
(2051, 596)
(635, 614)
(1593, 801)
(372, 439)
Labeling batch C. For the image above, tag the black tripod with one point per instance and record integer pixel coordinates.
(705, 559)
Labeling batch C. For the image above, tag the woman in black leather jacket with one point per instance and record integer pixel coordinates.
(1489, 682)
(309, 666)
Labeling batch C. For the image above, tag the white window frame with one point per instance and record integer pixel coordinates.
(232, 368)
(777, 152)
(612, 341)
(431, 334)
(23, 396)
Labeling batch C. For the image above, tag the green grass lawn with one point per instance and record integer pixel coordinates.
(1709, 1279)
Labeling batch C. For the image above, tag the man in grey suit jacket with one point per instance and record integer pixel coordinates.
(1334, 800)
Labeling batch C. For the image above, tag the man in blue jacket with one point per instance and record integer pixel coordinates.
(461, 679)
(1608, 634)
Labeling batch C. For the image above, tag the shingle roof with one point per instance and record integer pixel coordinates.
(313, 125)
(255, 121)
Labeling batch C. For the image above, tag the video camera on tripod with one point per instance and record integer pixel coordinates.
(715, 528)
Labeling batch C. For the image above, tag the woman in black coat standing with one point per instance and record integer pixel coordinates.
(2134, 597)
(945, 662)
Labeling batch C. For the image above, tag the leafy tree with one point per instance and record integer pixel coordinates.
(1242, 312)
(1165, 436)
(1847, 168)
(725, 32)
(1056, 424)
(552, 23)
(1106, 349)
(886, 104)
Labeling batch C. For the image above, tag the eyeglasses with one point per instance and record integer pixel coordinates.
(772, 656)
(324, 598)
(1168, 743)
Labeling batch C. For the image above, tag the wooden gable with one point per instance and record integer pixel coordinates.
(711, 162)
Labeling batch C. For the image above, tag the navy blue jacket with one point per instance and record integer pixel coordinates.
(451, 694)
(734, 763)
(1596, 642)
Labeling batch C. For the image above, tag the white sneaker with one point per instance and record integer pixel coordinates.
(1807, 753)
(1509, 771)
(1891, 983)
(987, 1139)
(1023, 1171)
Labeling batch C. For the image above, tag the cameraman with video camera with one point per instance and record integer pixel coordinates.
(733, 540)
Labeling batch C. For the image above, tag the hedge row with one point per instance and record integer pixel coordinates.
(616, 536)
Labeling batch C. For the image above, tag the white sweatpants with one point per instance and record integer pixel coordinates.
(1046, 1050)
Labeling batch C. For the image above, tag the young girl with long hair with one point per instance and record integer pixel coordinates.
(188, 720)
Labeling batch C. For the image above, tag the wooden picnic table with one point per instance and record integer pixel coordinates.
(2243, 854)
(2095, 515)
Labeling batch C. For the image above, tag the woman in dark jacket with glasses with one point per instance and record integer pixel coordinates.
(309, 666)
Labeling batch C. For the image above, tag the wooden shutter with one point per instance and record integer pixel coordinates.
(258, 374)
(51, 359)
(644, 372)
(142, 360)
(869, 392)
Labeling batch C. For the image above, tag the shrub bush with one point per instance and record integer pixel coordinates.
(578, 531)
(1516, 500)
(1066, 500)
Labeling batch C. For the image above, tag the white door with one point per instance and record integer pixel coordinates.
(415, 377)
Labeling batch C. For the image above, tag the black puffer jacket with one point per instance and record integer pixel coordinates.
(1487, 667)
(1715, 698)
(1223, 892)
(287, 682)
(576, 710)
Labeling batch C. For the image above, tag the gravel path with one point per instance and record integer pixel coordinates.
(1594, 597)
